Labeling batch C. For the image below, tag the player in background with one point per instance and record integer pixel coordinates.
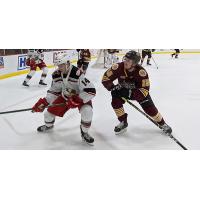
(68, 90)
(84, 59)
(176, 53)
(147, 52)
(133, 84)
(111, 57)
(35, 58)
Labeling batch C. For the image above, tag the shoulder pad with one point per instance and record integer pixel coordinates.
(142, 73)
(109, 73)
(115, 66)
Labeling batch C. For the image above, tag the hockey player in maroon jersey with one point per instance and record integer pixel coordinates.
(147, 52)
(69, 90)
(35, 58)
(84, 59)
(177, 51)
(133, 84)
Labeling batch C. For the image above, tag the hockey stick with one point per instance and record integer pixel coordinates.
(28, 109)
(154, 62)
(147, 116)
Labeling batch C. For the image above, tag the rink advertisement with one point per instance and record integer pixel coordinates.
(22, 62)
(1, 63)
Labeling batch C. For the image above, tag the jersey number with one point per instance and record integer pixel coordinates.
(145, 83)
(85, 81)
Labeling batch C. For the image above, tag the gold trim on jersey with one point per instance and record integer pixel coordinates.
(157, 117)
(145, 83)
(109, 73)
(144, 91)
(105, 78)
(119, 112)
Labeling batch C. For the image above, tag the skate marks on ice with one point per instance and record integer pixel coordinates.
(102, 140)
(22, 101)
(140, 138)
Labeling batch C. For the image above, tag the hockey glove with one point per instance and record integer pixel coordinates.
(40, 105)
(118, 92)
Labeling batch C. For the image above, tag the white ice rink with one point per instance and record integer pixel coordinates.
(175, 90)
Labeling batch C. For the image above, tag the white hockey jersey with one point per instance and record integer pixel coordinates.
(37, 56)
(70, 84)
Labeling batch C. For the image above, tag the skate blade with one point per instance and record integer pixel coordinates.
(44, 132)
(90, 144)
(121, 132)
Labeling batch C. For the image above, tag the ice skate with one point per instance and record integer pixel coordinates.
(25, 84)
(148, 63)
(44, 128)
(86, 137)
(42, 83)
(121, 128)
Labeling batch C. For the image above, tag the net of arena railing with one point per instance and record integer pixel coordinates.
(7, 52)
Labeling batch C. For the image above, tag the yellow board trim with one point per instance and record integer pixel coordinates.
(18, 73)
(4, 76)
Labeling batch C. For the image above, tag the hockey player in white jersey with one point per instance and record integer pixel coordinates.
(35, 58)
(69, 90)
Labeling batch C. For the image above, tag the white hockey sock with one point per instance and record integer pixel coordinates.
(44, 74)
(49, 119)
(86, 117)
(29, 76)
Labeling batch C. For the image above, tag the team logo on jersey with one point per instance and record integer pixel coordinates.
(115, 66)
(1, 62)
(142, 73)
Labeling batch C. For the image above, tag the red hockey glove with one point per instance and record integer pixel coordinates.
(74, 101)
(40, 105)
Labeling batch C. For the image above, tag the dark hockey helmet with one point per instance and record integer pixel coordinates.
(134, 56)
(40, 50)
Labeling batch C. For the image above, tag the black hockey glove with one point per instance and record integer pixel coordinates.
(118, 92)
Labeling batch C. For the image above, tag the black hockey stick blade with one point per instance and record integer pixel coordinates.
(175, 140)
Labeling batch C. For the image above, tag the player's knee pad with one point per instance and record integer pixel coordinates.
(86, 112)
(148, 106)
(146, 102)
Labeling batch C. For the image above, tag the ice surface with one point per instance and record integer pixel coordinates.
(175, 89)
